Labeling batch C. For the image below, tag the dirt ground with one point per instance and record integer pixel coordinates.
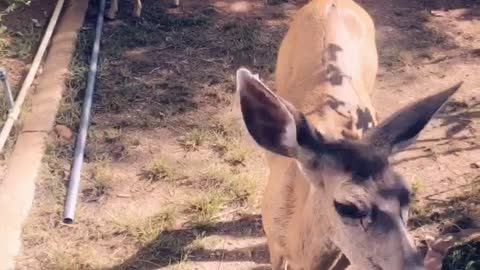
(170, 182)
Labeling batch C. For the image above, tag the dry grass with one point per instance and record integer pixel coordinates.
(237, 188)
(16, 50)
(159, 170)
(101, 182)
(451, 214)
(222, 189)
(70, 107)
(146, 231)
(194, 139)
(204, 207)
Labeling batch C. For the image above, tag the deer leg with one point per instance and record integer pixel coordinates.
(137, 9)
(113, 9)
(276, 260)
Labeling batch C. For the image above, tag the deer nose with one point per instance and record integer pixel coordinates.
(416, 267)
(414, 262)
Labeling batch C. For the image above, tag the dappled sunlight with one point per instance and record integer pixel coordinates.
(235, 6)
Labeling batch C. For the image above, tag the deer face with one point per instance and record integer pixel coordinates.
(364, 206)
(355, 194)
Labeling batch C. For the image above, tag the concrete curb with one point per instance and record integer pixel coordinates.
(18, 187)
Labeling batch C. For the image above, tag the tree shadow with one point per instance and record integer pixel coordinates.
(404, 30)
(171, 246)
(433, 155)
(450, 4)
(453, 213)
(455, 117)
(158, 69)
(458, 116)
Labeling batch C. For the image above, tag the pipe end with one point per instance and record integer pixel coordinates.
(68, 220)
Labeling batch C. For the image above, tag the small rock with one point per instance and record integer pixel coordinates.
(36, 23)
(175, 3)
(441, 245)
(476, 52)
(439, 13)
(63, 132)
(475, 165)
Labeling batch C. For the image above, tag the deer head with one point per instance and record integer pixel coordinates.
(355, 195)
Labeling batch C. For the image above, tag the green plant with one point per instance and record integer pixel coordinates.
(157, 170)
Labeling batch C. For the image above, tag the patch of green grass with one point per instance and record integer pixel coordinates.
(198, 243)
(216, 176)
(146, 231)
(4, 40)
(463, 257)
(220, 144)
(158, 170)
(13, 5)
(154, 234)
(397, 57)
(193, 139)
(20, 44)
(111, 135)
(74, 259)
(64, 261)
(102, 180)
(250, 44)
(23, 43)
(242, 189)
(450, 214)
(55, 168)
(236, 189)
(154, 226)
(237, 154)
(70, 107)
(230, 149)
(417, 185)
(204, 207)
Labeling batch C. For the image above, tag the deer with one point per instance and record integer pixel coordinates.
(332, 200)
(137, 8)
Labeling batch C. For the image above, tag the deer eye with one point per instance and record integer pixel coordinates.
(350, 210)
(314, 163)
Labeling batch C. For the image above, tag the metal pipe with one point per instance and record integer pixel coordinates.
(22, 94)
(74, 183)
(6, 88)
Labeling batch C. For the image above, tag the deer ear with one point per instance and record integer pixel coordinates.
(402, 128)
(270, 120)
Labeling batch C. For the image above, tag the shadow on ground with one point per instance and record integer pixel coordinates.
(160, 67)
(450, 214)
(169, 247)
(406, 37)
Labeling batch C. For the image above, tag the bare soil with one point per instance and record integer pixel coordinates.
(170, 182)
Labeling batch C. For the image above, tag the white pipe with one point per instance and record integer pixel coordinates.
(6, 88)
(74, 183)
(22, 94)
